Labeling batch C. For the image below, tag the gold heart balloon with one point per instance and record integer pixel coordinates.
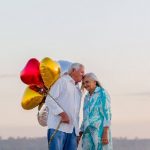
(50, 71)
(31, 99)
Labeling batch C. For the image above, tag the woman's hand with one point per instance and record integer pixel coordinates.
(78, 140)
(105, 136)
(79, 137)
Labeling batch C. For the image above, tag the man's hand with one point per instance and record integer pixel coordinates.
(64, 117)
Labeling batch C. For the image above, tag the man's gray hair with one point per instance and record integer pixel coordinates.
(92, 76)
(75, 66)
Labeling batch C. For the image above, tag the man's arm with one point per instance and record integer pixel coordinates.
(52, 100)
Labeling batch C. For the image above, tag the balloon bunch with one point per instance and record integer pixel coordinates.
(39, 76)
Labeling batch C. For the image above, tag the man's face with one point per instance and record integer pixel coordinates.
(78, 74)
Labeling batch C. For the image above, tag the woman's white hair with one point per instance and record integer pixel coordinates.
(93, 77)
(75, 66)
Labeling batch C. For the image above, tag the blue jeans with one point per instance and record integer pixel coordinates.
(62, 140)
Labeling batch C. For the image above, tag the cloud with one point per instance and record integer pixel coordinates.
(146, 93)
(8, 75)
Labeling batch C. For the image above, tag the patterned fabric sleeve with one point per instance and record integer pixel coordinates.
(106, 108)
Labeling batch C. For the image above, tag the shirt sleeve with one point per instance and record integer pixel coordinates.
(54, 95)
(106, 108)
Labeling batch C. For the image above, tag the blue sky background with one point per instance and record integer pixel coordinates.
(111, 38)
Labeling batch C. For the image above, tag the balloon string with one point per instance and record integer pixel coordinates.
(55, 101)
(51, 138)
(45, 91)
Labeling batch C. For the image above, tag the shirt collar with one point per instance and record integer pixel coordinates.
(70, 79)
(97, 89)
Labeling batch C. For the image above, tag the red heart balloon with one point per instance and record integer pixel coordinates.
(30, 75)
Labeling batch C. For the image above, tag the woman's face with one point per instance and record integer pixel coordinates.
(89, 84)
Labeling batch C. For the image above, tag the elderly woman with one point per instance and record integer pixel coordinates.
(95, 128)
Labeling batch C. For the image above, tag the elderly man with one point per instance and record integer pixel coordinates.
(65, 110)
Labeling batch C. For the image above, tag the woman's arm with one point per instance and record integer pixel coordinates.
(107, 117)
(106, 109)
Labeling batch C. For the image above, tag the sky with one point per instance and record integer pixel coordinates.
(111, 38)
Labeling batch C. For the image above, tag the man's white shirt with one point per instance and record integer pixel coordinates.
(68, 96)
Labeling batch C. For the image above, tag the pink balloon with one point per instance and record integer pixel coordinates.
(30, 75)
